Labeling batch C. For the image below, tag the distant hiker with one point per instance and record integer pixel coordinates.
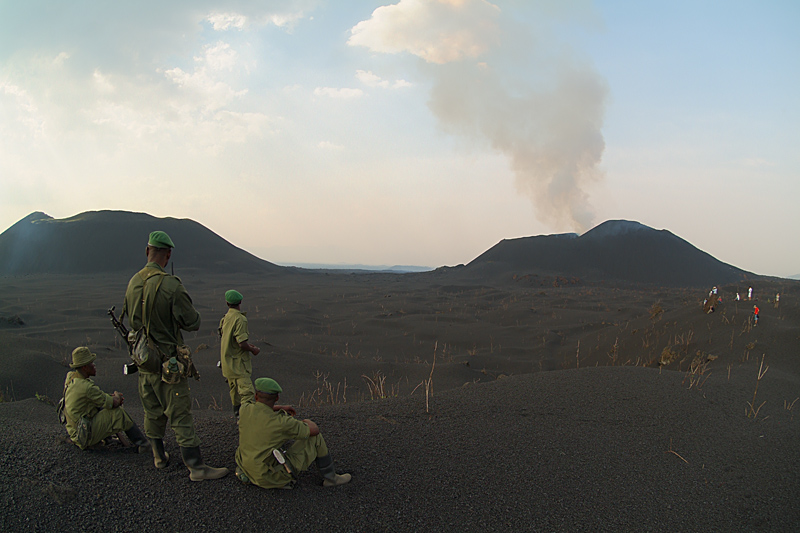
(265, 457)
(235, 352)
(737, 297)
(777, 299)
(755, 315)
(91, 414)
(750, 293)
(714, 291)
(161, 300)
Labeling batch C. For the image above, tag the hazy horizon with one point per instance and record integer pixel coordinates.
(414, 132)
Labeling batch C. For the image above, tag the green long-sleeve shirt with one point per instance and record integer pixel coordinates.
(172, 308)
(233, 330)
(82, 398)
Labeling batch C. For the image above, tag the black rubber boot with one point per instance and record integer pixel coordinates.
(197, 470)
(160, 457)
(137, 438)
(332, 479)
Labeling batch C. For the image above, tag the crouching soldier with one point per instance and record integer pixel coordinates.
(91, 414)
(263, 456)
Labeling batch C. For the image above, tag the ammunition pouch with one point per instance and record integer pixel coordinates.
(83, 429)
(181, 366)
(144, 352)
(185, 356)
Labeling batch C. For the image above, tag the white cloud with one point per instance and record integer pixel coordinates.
(438, 31)
(226, 21)
(219, 56)
(327, 145)
(757, 162)
(373, 80)
(370, 80)
(338, 93)
(102, 82)
(61, 58)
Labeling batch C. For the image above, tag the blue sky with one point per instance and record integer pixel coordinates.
(414, 132)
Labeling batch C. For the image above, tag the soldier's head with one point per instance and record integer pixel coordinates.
(159, 248)
(267, 390)
(233, 298)
(83, 361)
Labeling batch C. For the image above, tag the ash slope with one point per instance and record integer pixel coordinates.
(114, 241)
(616, 250)
(596, 449)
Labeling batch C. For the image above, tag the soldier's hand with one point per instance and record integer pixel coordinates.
(256, 350)
(289, 409)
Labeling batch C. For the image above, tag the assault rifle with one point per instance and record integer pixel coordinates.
(129, 368)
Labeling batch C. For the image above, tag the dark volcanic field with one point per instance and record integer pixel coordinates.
(547, 408)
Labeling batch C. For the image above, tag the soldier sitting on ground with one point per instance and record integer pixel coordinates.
(264, 429)
(91, 414)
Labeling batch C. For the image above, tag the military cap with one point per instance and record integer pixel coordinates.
(82, 356)
(160, 239)
(233, 297)
(268, 386)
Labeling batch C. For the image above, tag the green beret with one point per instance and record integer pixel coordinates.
(159, 239)
(82, 356)
(233, 297)
(268, 386)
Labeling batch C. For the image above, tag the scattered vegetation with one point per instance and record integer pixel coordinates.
(44, 399)
(668, 355)
(377, 386)
(752, 412)
(214, 406)
(698, 371)
(790, 407)
(656, 311)
(325, 392)
(676, 454)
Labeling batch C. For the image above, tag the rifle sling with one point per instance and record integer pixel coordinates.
(146, 321)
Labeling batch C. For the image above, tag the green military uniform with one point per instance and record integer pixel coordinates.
(261, 430)
(82, 398)
(236, 365)
(170, 310)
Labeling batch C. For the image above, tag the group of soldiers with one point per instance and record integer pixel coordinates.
(274, 446)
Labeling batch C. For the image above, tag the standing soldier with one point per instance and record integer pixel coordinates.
(91, 414)
(235, 352)
(160, 304)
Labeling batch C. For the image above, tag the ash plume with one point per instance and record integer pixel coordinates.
(527, 95)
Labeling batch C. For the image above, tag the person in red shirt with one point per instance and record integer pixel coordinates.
(755, 314)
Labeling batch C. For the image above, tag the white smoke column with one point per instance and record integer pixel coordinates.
(543, 109)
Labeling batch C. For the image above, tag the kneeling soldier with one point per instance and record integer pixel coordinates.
(264, 429)
(92, 415)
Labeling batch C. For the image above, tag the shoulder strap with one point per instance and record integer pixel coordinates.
(145, 315)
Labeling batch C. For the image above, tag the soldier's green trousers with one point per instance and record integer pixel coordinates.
(303, 452)
(242, 390)
(163, 401)
(108, 422)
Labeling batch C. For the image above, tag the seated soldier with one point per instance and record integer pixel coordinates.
(104, 412)
(265, 427)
